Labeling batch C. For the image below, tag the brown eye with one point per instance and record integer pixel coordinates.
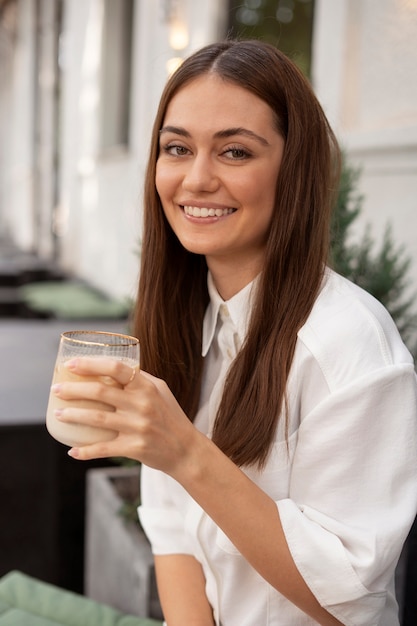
(175, 150)
(237, 154)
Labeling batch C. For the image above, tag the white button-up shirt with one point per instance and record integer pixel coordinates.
(345, 485)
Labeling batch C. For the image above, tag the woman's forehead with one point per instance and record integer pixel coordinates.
(210, 98)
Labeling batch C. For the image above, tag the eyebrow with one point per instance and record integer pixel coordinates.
(220, 134)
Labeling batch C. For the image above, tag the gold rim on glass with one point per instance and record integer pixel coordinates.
(129, 340)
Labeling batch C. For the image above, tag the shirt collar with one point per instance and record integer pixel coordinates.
(238, 307)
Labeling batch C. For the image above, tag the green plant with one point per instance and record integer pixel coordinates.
(382, 270)
(130, 493)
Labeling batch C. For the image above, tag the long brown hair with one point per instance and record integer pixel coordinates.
(172, 295)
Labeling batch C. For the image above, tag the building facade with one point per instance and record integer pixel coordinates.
(79, 85)
(364, 73)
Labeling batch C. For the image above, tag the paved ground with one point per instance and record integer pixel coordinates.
(27, 355)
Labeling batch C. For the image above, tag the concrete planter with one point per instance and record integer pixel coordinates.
(118, 559)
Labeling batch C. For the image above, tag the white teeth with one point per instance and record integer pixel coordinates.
(196, 211)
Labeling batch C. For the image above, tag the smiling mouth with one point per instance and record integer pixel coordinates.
(196, 211)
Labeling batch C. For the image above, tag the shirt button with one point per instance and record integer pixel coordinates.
(229, 353)
(224, 310)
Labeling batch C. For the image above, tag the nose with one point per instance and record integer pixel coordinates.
(201, 175)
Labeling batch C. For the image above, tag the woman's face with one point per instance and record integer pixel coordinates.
(220, 155)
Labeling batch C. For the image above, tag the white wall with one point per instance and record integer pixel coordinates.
(365, 74)
(95, 223)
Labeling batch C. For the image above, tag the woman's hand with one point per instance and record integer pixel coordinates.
(150, 424)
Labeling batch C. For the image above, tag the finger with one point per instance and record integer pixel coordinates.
(117, 447)
(121, 371)
(97, 419)
(97, 394)
(86, 453)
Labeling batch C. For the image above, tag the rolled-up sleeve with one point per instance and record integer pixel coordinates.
(161, 514)
(353, 492)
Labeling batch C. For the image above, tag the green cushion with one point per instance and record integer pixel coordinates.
(71, 300)
(25, 601)
(3, 606)
(16, 617)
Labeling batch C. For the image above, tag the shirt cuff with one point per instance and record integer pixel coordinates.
(165, 530)
(323, 562)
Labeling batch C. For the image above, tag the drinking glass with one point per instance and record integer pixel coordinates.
(90, 343)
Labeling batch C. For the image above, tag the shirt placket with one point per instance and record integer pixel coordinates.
(228, 344)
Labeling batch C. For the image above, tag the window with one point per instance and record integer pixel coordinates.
(286, 24)
(116, 73)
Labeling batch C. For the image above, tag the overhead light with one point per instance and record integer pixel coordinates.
(178, 34)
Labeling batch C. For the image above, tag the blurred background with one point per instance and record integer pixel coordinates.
(79, 85)
(80, 80)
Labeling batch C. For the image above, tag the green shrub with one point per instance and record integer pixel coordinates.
(382, 270)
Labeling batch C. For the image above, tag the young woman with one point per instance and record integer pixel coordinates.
(275, 412)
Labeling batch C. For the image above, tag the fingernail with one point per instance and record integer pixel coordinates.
(71, 364)
(58, 412)
(74, 453)
(56, 388)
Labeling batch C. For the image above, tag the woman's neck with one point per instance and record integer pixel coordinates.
(229, 280)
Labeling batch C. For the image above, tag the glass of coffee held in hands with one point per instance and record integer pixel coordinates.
(86, 343)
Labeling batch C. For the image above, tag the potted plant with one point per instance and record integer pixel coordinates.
(119, 567)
